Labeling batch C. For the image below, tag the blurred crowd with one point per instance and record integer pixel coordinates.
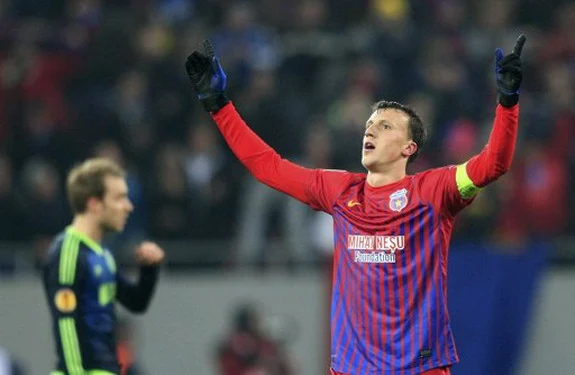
(253, 346)
(81, 78)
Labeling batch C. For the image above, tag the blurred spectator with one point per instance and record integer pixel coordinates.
(319, 154)
(9, 365)
(347, 117)
(243, 44)
(535, 208)
(304, 232)
(170, 209)
(11, 225)
(210, 183)
(126, 348)
(265, 215)
(130, 100)
(90, 73)
(247, 350)
(41, 199)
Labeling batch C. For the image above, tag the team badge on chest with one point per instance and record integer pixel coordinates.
(398, 200)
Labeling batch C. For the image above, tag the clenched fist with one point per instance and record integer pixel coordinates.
(149, 254)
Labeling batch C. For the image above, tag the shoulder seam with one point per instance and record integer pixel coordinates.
(68, 260)
(352, 180)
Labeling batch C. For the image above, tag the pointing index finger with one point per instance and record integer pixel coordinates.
(209, 48)
(519, 45)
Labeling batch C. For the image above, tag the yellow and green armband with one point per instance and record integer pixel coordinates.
(466, 187)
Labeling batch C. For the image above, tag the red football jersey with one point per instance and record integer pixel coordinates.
(389, 305)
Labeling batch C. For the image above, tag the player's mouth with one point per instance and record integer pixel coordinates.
(368, 146)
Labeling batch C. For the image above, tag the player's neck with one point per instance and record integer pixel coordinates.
(376, 179)
(88, 227)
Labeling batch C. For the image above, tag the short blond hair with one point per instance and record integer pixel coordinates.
(87, 180)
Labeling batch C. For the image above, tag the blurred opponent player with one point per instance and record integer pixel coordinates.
(392, 230)
(80, 277)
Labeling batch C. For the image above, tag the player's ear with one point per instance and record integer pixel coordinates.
(409, 149)
(93, 204)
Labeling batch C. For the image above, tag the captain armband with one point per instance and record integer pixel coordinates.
(466, 187)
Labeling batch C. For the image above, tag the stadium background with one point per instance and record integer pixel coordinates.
(80, 78)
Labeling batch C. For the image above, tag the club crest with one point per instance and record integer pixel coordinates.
(398, 200)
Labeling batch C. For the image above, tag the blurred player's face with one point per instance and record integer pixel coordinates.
(386, 140)
(116, 205)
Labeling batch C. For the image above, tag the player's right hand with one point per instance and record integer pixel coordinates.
(149, 254)
(207, 77)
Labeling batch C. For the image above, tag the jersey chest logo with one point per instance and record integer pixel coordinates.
(374, 249)
(398, 200)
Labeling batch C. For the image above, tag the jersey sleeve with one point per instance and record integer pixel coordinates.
(63, 281)
(136, 297)
(326, 186)
(448, 188)
(452, 188)
(317, 188)
(495, 158)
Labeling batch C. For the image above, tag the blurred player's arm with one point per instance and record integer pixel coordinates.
(315, 187)
(63, 280)
(136, 297)
(495, 158)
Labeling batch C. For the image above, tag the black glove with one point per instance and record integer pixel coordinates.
(208, 78)
(508, 74)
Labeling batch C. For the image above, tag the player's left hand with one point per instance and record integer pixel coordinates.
(149, 254)
(508, 73)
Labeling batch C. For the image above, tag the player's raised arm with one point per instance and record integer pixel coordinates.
(136, 296)
(318, 188)
(495, 158)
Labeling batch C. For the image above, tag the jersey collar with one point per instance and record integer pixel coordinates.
(93, 245)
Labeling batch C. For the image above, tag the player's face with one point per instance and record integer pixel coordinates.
(386, 139)
(116, 205)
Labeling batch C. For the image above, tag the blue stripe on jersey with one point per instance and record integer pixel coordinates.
(398, 337)
(370, 350)
(362, 364)
(436, 270)
(377, 328)
(411, 352)
(338, 310)
(388, 337)
(441, 344)
(340, 330)
(405, 307)
(355, 313)
(379, 324)
(445, 337)
(365, 300)
(335, 304)
(423, 286)
(349, 334)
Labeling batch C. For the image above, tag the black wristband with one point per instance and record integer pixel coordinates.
(507, 100)
(215, 102)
